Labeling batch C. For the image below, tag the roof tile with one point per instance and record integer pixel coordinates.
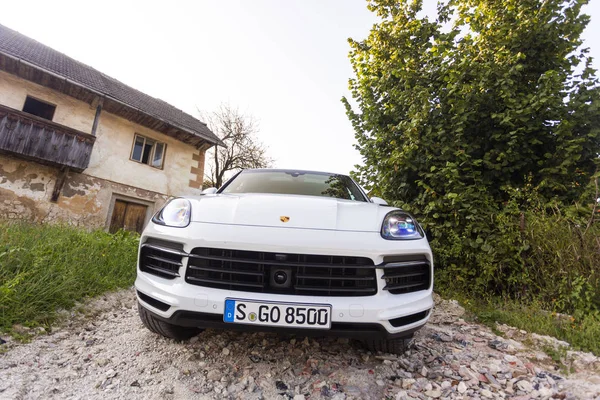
(20, 46)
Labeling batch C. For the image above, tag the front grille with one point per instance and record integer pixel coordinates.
(252, 271)
(161, 258)
(406, 275)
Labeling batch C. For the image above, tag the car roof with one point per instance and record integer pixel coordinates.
(297, 171)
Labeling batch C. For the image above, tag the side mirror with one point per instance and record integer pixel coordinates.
(379, 200)
(211, 190)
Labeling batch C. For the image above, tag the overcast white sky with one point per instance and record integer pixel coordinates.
(285, 62)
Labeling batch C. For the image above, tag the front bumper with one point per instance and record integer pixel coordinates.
(382, 315)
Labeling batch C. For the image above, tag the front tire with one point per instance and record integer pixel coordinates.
(394, 346)
(165, 329)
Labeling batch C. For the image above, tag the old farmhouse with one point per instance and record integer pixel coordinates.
(81, 147)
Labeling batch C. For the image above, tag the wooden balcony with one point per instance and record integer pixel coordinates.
(44, 141)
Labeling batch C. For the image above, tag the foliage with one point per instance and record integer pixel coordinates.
(44, 268)
(549, 254)
(238, 132)
(485, 123)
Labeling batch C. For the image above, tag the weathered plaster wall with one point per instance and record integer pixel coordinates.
(111, 159)
(69, 111)
(115, 135)
(26, 188)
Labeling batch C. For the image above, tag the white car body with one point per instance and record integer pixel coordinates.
(285, 226)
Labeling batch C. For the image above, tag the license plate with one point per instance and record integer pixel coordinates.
(297, 315)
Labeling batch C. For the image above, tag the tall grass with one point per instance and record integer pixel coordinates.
(563, 262)
(581, 332)
(559, 272)
(44, 268)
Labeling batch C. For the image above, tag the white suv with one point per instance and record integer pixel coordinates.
(290, 251)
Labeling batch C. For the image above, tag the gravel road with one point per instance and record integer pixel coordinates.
(107, 354)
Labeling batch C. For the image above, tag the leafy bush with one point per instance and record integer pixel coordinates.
(548, 254)
(44, 268)
(485, 123)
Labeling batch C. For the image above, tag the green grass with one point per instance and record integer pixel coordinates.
(581, 333)
(44, 268)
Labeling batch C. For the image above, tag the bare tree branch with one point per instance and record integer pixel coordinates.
(244, 150)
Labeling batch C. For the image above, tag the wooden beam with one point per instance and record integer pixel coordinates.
(97, 117)
(60, 182)
(203, 146)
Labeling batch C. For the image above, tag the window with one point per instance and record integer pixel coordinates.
(39, 108)
(148, 151)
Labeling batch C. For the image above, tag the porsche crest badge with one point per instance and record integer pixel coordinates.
(284, 219)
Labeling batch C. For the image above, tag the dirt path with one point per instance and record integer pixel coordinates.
(111, 356)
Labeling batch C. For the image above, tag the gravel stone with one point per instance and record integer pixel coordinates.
(433, 393)
(110, 355)
(525, 386)
(102, 362)
(407, 383)
(214, 375)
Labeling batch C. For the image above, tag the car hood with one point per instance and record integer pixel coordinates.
(306, 212)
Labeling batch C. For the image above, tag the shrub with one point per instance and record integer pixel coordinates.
(488, 136)
(529, 251)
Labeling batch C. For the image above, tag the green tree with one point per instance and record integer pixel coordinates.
(459, 116)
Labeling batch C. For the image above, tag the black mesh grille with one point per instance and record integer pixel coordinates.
(252, 271)
(153, 302)
(407, 275)
(409, 319)
(161, 258)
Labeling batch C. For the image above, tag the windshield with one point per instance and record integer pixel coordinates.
(294, 182)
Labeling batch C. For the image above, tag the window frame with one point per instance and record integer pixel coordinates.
(152, 152)
(350, 182)
(40, 101)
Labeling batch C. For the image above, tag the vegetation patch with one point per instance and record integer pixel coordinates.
(558, 291)
(44, 268)
(581, 333)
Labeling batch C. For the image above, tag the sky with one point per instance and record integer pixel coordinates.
(283, 62)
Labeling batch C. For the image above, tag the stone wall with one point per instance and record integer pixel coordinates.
(86, 201)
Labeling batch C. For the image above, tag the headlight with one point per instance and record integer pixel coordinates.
(175, 213)
(399, 225)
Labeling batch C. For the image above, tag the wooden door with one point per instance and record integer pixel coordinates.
(128, 216)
